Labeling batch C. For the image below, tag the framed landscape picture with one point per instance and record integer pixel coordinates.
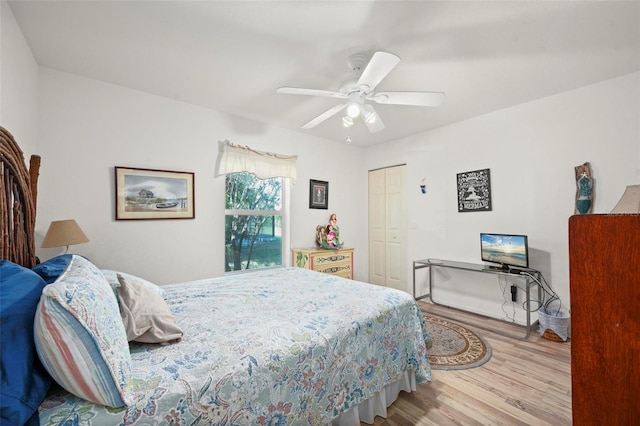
(474, 191)
(318, 194)
(154, 194)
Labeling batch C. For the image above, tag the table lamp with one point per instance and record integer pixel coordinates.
(63, 233)
(630, 201)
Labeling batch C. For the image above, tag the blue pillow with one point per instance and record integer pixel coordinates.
(24, 381)
(51, 269)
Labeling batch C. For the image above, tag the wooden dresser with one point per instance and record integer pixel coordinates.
(604, 266)
(334, 262)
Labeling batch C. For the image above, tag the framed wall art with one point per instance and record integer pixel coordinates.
(154, 194)
(474, 191)
(318, 194)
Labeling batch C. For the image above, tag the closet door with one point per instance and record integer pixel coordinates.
(377, 227)
(388, 227)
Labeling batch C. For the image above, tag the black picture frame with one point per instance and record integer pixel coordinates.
(318, 194)
(148, 194)
(474, 191)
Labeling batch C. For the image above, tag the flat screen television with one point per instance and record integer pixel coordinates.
(509, 251)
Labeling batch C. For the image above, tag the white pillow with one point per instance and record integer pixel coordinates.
(145, 315)
(112, 278)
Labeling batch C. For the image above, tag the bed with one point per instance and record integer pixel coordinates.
(277, 346)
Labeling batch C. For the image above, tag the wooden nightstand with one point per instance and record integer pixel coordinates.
(334, 262)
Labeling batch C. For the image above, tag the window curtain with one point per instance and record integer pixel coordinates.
(265, 165)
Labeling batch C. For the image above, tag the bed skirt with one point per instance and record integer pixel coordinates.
(377, 405)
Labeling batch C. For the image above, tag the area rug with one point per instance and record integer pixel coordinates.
(454, 346)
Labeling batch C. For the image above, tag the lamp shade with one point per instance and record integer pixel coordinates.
(63, 233)
(630, 201)
(369, 114)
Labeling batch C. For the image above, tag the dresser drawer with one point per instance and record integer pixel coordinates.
(333, 257)
(334, 268)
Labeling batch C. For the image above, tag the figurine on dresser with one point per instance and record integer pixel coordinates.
(328, 237)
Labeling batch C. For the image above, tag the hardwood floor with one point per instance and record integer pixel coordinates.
(526, 382)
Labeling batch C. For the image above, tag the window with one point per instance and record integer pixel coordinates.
(254, 222)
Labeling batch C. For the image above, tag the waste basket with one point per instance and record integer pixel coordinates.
(554, 324)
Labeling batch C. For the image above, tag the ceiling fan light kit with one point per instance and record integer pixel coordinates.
(358, 92)
(353, 110)
(369, 114)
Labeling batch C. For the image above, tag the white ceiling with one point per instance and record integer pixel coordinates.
(231, 56)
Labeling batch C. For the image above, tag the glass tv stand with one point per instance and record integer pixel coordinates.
(532, 278)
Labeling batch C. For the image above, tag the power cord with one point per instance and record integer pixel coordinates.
(512, 318)
(549, 297)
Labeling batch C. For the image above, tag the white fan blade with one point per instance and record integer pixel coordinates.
(328, 113)
(372, 119)
(409, 98)
(311, 92)
(378, 68)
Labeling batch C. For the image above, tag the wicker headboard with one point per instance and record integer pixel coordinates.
(17, 202)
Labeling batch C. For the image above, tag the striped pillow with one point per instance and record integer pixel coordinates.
(80, 337)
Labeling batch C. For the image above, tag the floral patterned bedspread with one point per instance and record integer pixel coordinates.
(282, 346)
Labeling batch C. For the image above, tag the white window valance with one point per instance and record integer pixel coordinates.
(265, 165)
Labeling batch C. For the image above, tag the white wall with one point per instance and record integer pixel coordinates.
(531, 151)
(18, 84)
(87, 127)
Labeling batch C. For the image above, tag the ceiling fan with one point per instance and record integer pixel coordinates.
(358, 91)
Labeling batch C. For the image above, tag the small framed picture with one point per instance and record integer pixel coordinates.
(154, 194)
(318, 194)
(474, 191)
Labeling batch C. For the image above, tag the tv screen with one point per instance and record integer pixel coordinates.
(505, 249)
